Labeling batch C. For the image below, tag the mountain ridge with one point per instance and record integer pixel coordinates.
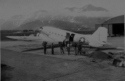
(86, 18)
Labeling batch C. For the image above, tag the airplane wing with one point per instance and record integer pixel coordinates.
(25, 38)
(83, 46)
(103, 48)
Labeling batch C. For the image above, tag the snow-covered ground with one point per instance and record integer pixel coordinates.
(40, 67)
(24, 45)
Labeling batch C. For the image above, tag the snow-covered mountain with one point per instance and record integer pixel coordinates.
(1, 22)
(90, 7)
(78, 22)
(72, 8)
(89, 11)
(86, 16)
(12, 23)
(85, 11)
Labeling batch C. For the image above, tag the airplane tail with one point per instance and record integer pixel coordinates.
(101, 35)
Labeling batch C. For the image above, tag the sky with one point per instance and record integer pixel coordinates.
(9, 8)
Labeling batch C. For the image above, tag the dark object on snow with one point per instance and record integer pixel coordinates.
(119, 62)
(6, 74)
(116, 62)
(52, 49)
(61, 45)
(44, 46)
(100, 55)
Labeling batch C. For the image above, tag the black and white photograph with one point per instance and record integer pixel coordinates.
(62, 40)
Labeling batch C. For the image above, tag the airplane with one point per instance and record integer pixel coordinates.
(55, 35)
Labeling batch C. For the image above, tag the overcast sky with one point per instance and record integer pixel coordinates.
(9, 8)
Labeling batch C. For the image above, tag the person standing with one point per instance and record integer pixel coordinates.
(64, 44)
(52, 49)
(75, 48)
(68, 48)
(44, 46)
(79, 48)
(67, 38)
(71, 38)
(61, 47)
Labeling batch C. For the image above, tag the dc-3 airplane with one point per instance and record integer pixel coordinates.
(55, 35)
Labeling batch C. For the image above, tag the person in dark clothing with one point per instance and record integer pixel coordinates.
(64, 43)
(68, 48)
(75, 47)
(71, 38)
(44, 46)
(79, 48)
(52, 47)
(67, 39)
(61, 47)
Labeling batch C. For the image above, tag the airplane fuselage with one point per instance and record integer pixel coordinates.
(55, 35)
(60, 35)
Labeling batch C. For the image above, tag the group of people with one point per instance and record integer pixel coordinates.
(78, 49)
(67, 44)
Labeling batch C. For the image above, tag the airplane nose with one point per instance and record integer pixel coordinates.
(44, 33)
